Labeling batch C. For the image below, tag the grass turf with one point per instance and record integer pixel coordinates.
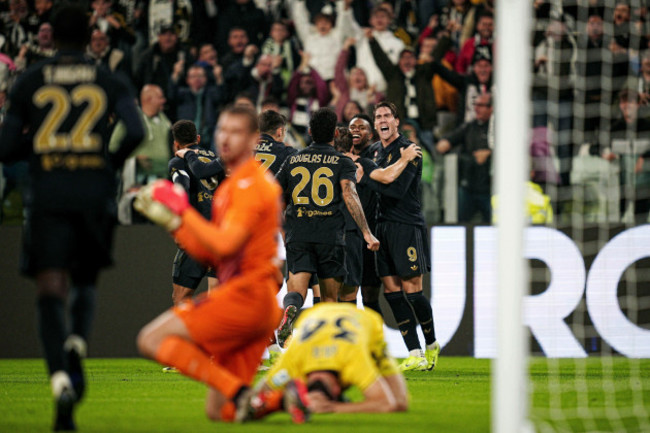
(133, 395)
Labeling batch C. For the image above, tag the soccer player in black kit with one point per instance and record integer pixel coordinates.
(316, 182)
(361, 270)
(404, 254)
(362, 133)
(271, 150)
(64, 105)
(187, 273)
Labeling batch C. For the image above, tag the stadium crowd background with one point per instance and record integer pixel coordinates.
(187, 59)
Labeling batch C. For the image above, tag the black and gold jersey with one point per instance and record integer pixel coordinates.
(311, 180)
(400, 200)
(272, 153)
(59, 118)
(199, 190)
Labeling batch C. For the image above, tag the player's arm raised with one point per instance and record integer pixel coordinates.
(200, 169)
(391, 173)
(395, 189)
(167, 205)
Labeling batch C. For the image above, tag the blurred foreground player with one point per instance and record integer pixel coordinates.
(187, 273)
(64, 104)
(219, 338)
(334, 346)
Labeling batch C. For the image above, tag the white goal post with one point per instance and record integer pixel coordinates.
(512, 120)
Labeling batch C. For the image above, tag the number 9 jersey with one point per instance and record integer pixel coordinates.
(339, 338)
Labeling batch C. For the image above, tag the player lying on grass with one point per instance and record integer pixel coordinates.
(334, 346)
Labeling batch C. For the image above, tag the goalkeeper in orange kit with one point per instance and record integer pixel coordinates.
(219, 338)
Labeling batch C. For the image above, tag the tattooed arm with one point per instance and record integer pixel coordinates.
(353, 204)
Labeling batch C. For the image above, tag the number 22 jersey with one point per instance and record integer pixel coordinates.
(65, 104)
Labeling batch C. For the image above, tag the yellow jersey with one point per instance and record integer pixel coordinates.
(336, 337)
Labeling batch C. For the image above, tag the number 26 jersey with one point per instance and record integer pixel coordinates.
(311, 181)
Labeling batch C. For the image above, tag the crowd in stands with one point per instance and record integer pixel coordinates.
(187, 59)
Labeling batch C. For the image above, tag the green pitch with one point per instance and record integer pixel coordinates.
(133, 395)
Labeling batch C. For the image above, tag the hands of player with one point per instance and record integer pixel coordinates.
(372, 241)
(412, 152)
(181, 152)
(359, 173)
(154, 210)
(319, 403)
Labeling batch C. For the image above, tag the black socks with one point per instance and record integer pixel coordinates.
(293, 298)
(424, 314)
(52, 331)
(404, 318)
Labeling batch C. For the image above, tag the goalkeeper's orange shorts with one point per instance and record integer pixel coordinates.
(234, 323)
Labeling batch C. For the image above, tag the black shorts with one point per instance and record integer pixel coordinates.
(369, 277)
(187, 272)
(354, 245)
(326, 261)
(403, 250)
(313, 280)
(79, 241)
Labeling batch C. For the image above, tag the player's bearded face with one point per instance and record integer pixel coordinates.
(234, 139)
